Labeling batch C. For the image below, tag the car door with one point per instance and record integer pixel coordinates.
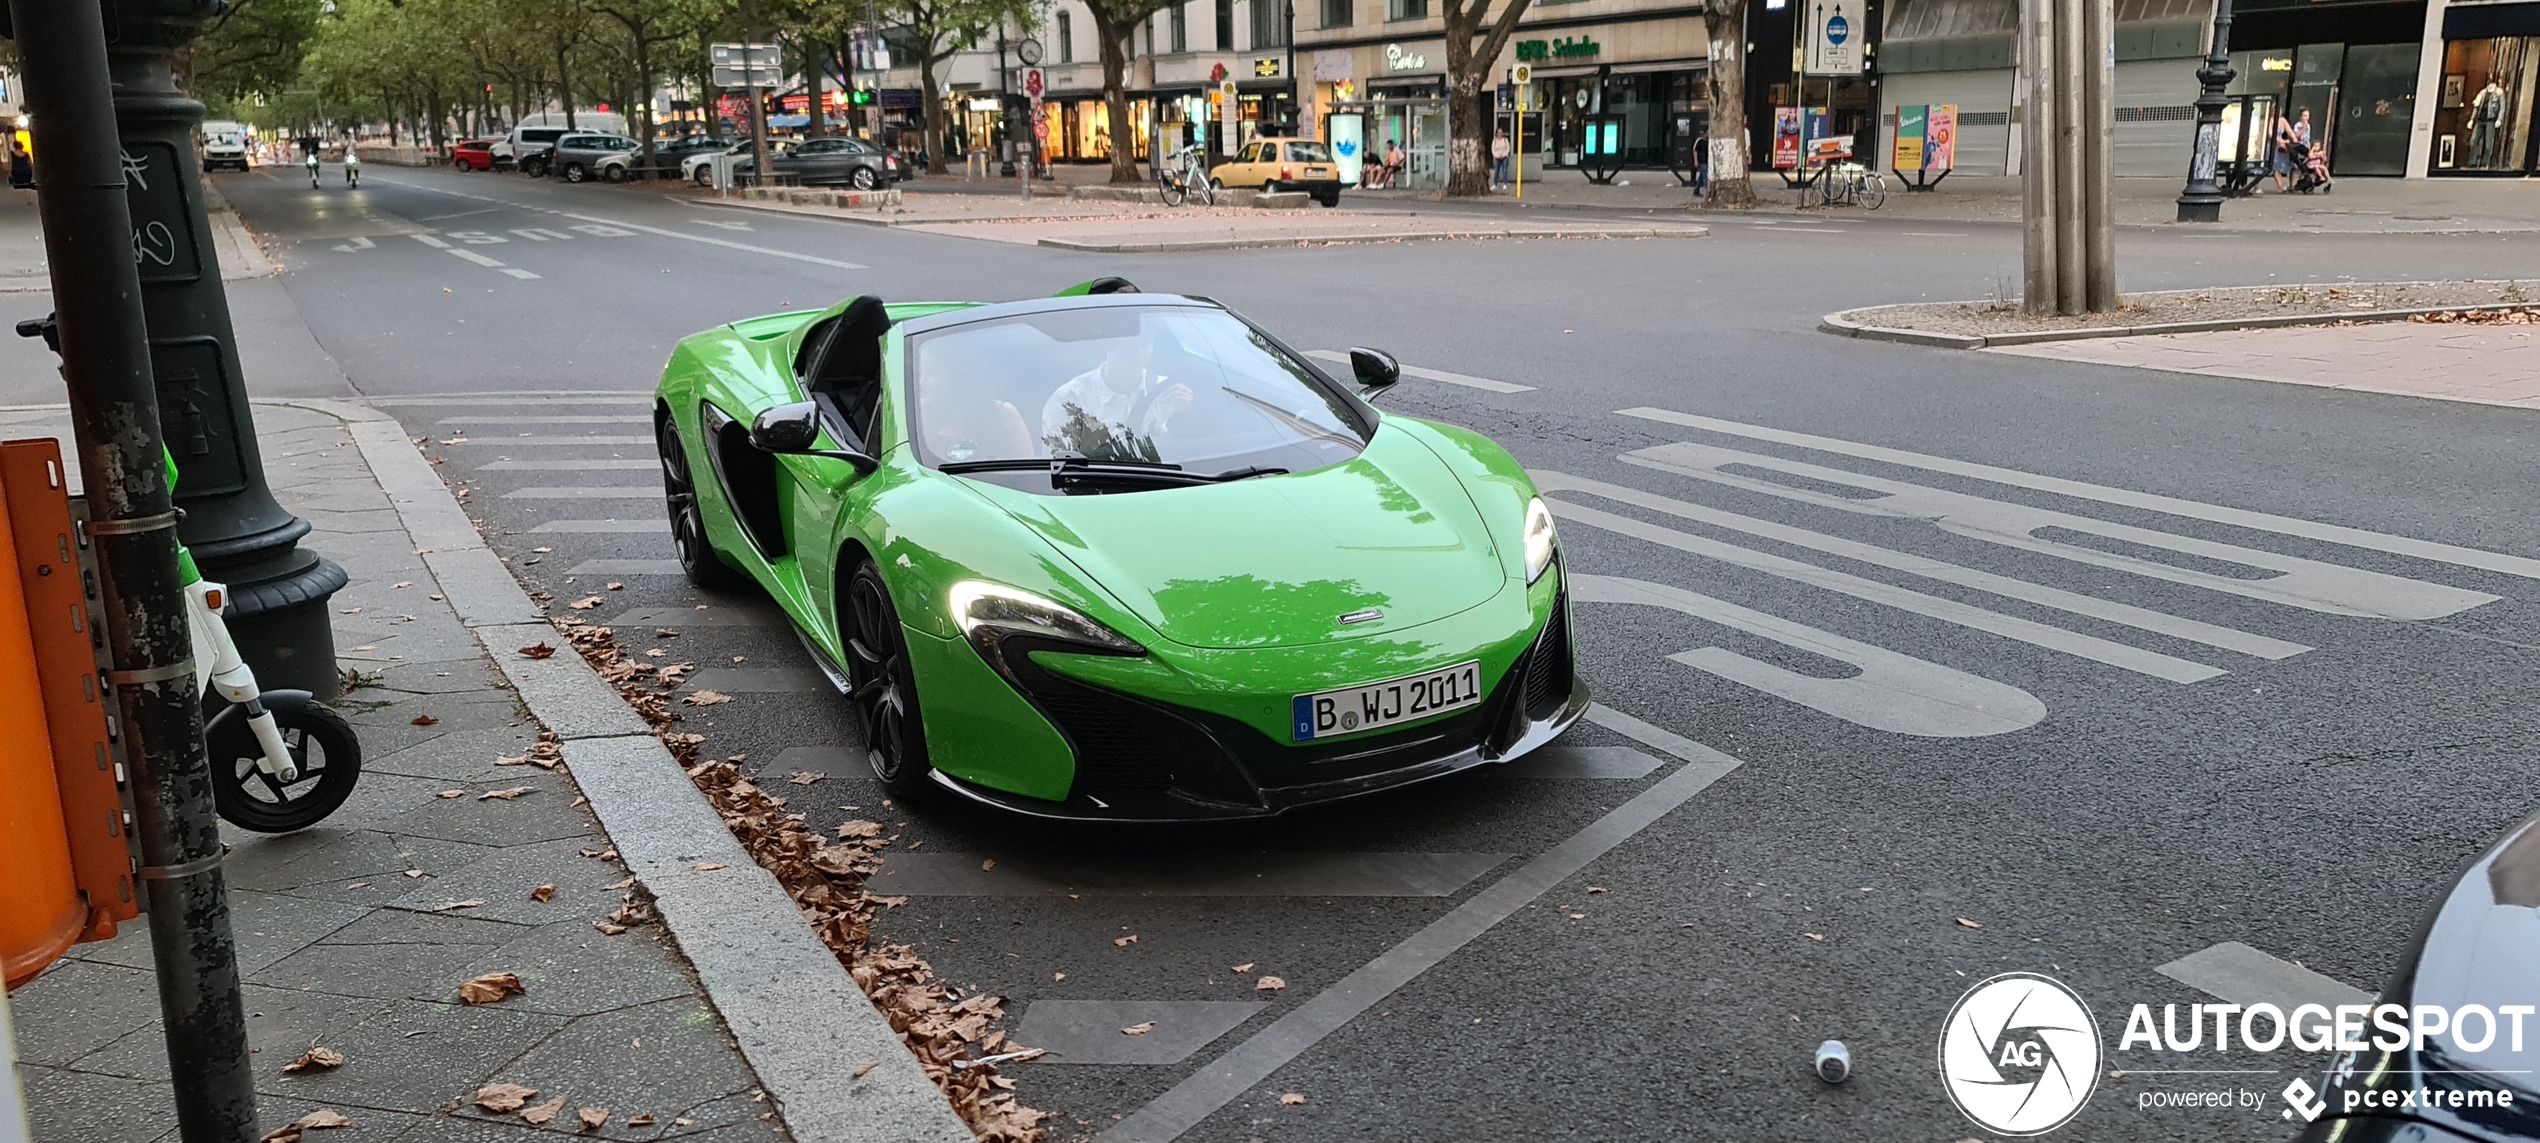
(846, 376)
(1245, 171)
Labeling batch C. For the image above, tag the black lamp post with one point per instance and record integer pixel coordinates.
(2203, 199)
(238, 534)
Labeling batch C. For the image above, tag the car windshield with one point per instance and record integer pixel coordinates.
(1179, 385)
(1308, 153)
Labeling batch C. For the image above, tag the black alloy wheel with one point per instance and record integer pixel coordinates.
(881, 685)
(697, 557)
(323, 748)
(864, 178)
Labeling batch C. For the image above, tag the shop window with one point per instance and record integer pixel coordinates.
(1225, 25)
(1182, 27)
(1337, 14)
(2483, 119)
(1269, 24)
(1406, 9)
(1066, 39)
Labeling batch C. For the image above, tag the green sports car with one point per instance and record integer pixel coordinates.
(1115, 555)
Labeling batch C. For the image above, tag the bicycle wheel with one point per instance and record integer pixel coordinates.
(1204, 188)
(1171, 188)
(1874, 190)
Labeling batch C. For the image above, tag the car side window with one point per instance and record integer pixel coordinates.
(848, 372)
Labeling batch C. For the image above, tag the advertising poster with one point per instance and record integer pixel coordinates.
(1349, 143)
(1906, 154)
(1785, 138)
(1940, 138)
(1814, 125)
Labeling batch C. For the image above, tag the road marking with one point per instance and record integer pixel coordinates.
(430, 241)
(612, 493)
(660, 526)
(553, 442)
(461, 214)
(626, 567)
(701, 617)
(476, 237)
(1893, 692)
(352, 244)
(614, 464)
(614, 223)
(1088, 1031)
(721, 223)
(542, 234)
(2244, 976)
(1482, 383)
(1930, 234)
(508, 419)
(2237, 517)
(1264, 1052)
(475, 257)
(601, 229)
(2012, 627)
(1230, 875)
(755, 680)
(2002, 585)
(2308, 584)
(1585, 762)
(519, 273)
(601, 397)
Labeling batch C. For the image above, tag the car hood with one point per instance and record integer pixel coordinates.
(1275, 561)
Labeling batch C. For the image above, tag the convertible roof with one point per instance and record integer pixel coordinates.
(993, 310)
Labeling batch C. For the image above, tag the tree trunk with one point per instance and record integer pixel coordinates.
(1467, 160)
(1115, 100)
(642, 105)
(1725, 22)
(440, 133)
(815, 124)
(564, 87)
(933, 101)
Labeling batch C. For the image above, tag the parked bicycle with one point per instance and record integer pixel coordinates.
(1185, 176)
(1852, 184)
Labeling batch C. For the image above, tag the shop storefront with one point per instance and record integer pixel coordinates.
(1654, 104)
(2353, 66)
(2491, 71)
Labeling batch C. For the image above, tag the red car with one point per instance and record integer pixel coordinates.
(473, 155)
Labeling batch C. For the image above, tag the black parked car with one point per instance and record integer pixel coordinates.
(853, 162)
(2477, 951)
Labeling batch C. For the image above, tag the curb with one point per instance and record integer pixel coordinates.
(1840, 325)
(796, 1015)
(1097, 247)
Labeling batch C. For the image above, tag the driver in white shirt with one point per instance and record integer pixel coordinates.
(1090, 413)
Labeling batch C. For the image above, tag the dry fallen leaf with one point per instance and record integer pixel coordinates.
(1242, 968)
(1965, 923)
(314, 1060)
(860, 828)
(291, 1132)
(617, 587)
(987, 865)
(708, 698)
(489, 988)
(644, 1120)
(619, 885)
(446, 906)
(607, 928)
(543, 893)
(1814, 936)
(592, 1117)
(1269, 984)
(1139, 1029)
(425, 720)
(1292, 1099)
(1596, 888)
(1058, 976)
(403, 583)
(707, 866)
(585, 603)
(505, 795)
(543, 1112)
(1126, 941)
(451, 794)
(502, 1097)
(538, 650)
(862, 1068)
(805, 777)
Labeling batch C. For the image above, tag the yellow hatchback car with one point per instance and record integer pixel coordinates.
(1274, 165)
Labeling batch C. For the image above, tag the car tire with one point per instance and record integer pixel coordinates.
(698, 560)
(1329, 198)
(881, 684)
(864, 179)
(1272, 186)
(704, 176)
(614, 172)
(575, 172)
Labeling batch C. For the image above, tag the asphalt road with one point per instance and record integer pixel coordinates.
(2109, 748)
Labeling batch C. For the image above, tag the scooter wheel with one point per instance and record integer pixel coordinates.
(322, 745)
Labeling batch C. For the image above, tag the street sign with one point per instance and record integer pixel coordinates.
(1834, 38)
(1522, 74)
(1033, 83)
(746, 65)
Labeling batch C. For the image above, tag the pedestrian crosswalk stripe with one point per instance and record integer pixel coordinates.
(2090, 647)
(661, 526)
(552, 442)
(2237, 517)
(626, 567)
(510, 419)
(1929, 568)
(1893, 692)
(2296, 582)
(576, 400)
(2244, 976)
(1482, 383)
(610, 493)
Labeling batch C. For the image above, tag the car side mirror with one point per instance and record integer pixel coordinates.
(792, 429)
(1375, 368)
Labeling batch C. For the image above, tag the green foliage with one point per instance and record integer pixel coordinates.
(252, 46)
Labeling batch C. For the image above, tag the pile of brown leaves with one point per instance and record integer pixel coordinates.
(2524, 316)
(826, 879)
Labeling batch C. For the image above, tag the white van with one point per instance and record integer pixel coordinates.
(539, 131)
(224, 144)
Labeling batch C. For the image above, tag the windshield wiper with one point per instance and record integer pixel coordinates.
(1247, 472)
(1068, 469)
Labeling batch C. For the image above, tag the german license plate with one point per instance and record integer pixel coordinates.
(1377, 706)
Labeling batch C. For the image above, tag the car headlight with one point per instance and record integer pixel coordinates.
(1541, 543)
(989, 612)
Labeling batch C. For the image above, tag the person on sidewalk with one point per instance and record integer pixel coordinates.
(2283, 154)
(1499, 153)
(22, 172)
(1702, 165)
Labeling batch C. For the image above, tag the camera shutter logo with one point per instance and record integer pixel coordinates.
(2020, 1054)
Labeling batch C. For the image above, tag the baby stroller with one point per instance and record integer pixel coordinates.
(2310, 170)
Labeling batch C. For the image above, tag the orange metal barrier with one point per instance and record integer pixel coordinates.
(65, 862)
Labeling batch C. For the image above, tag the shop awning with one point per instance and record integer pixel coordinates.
(1635, 68)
